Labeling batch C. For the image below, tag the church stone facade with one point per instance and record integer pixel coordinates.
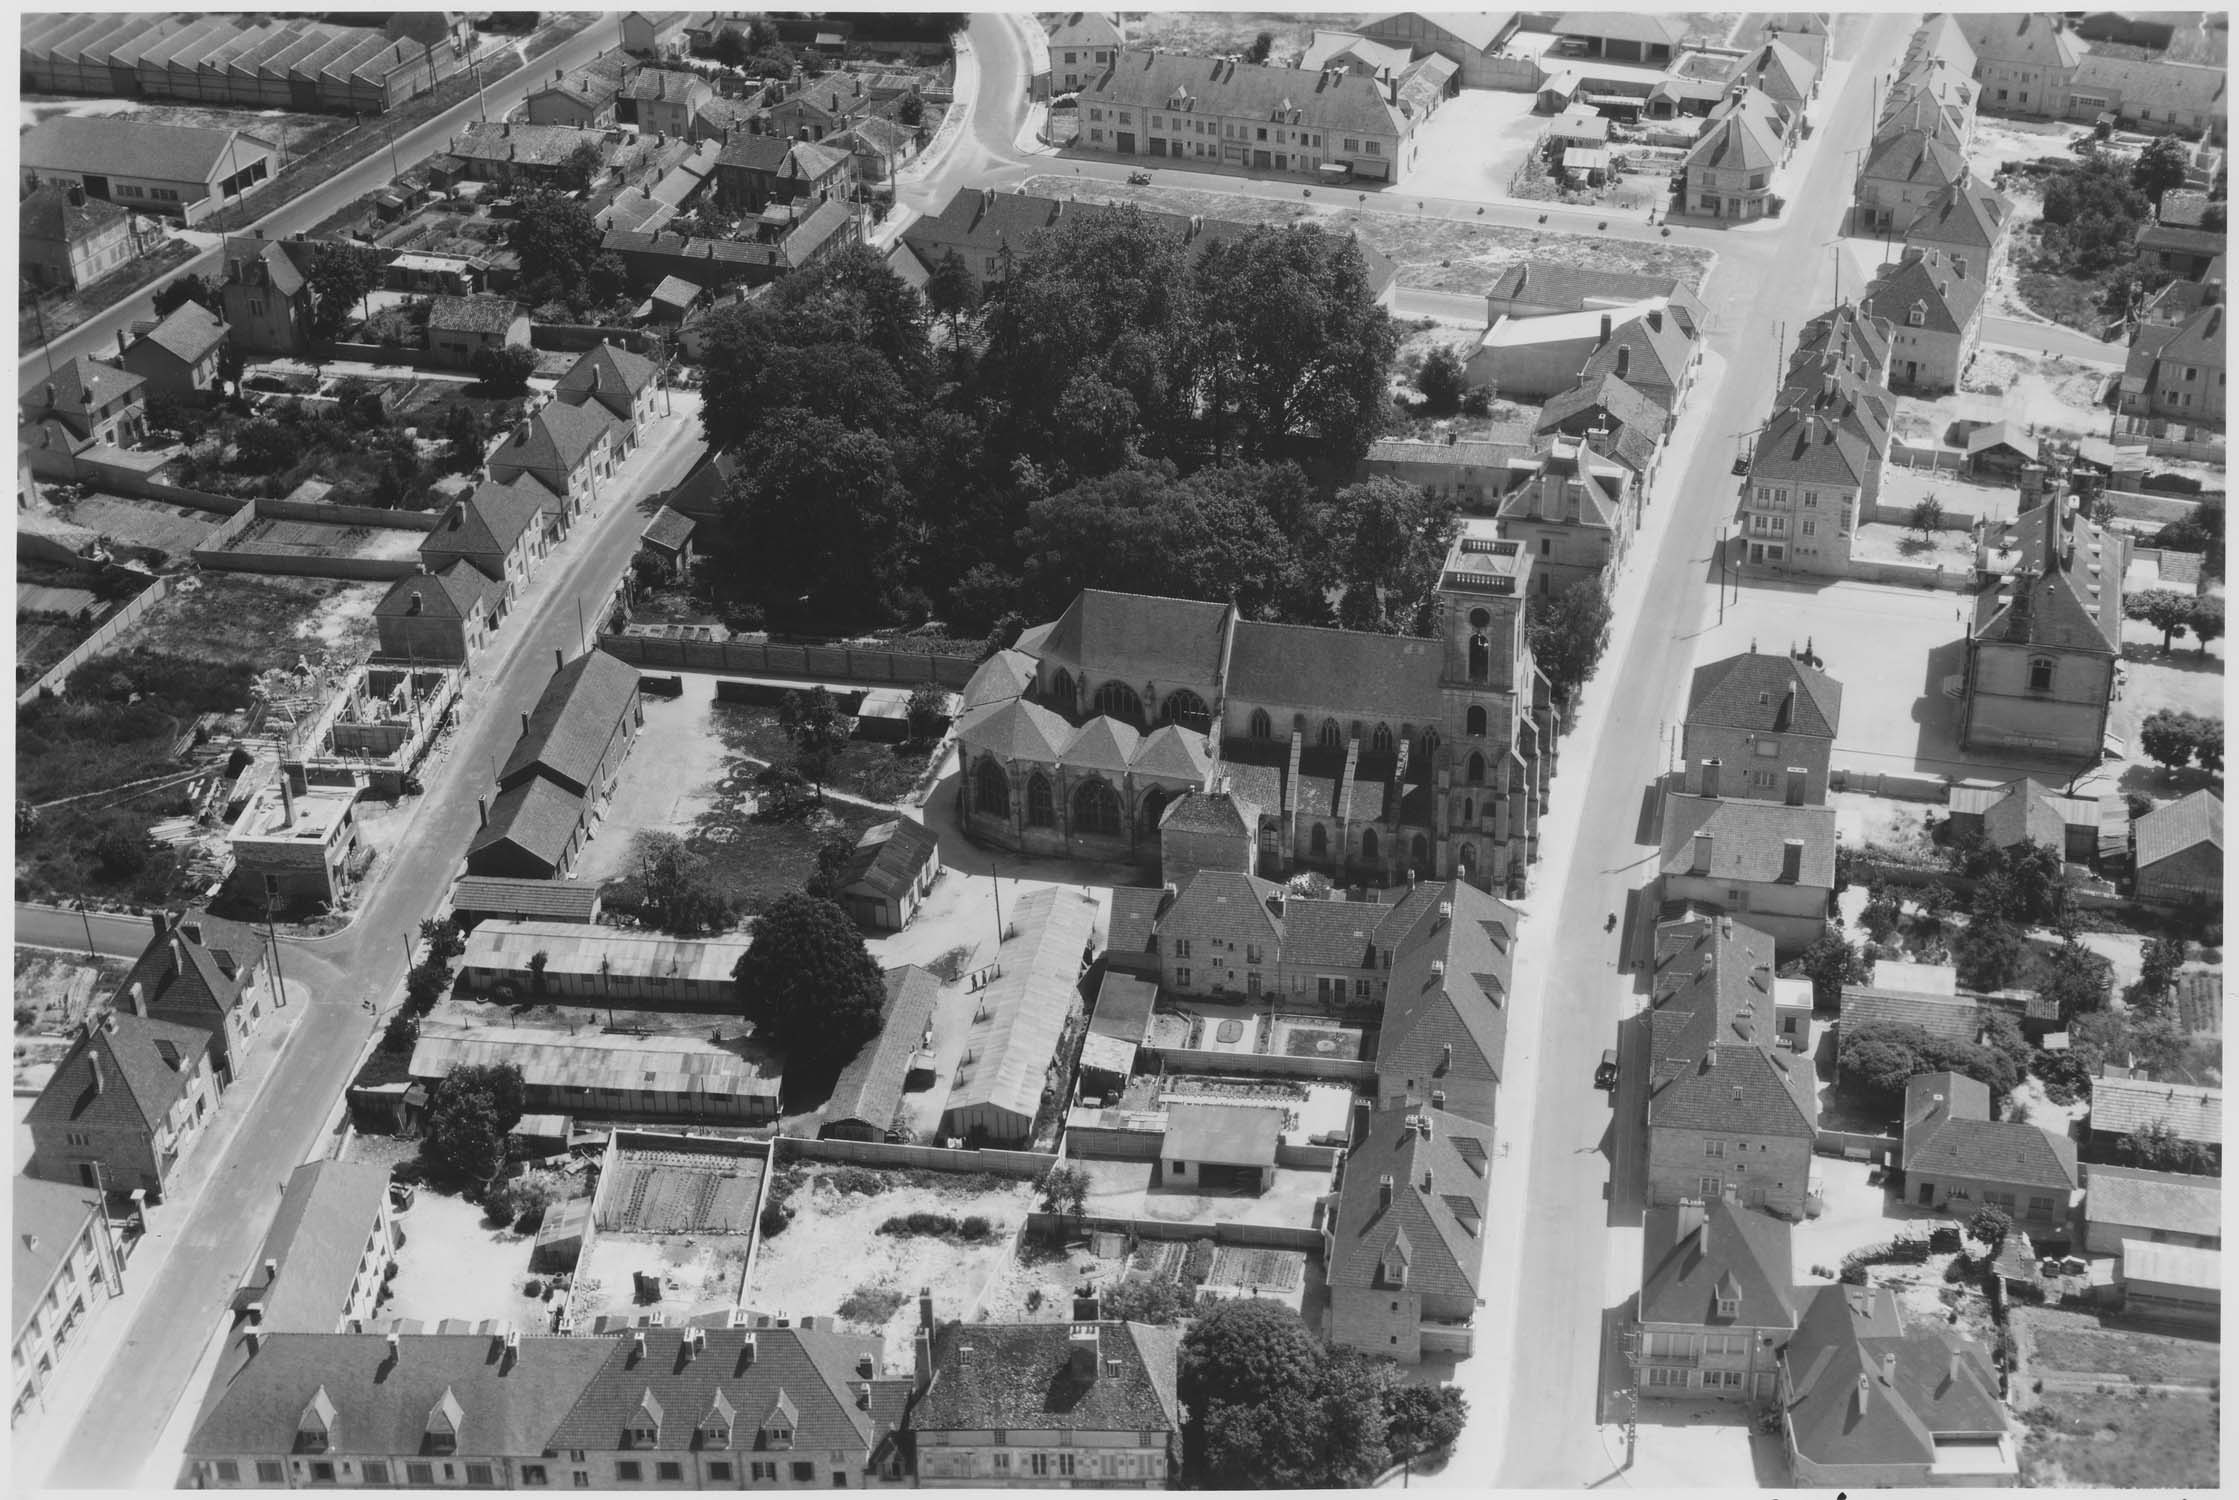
(1368, 757)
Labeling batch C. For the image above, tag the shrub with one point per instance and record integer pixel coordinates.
(975, 1227)
(1943, 1239)
(1198, 1264)
(864, 1180)
(502, 1203)
(535, 1288)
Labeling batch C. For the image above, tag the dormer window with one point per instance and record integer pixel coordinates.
(645, 1422)
(780, 1422)
(1729, 1307)
(444, 1420)
(314, 1430)
(1918, 317)
(715, 1427)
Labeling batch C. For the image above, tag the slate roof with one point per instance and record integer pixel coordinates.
(450, 594)
(1224, 905)
(317, 1239)
(1466, 1008)
(560, 437)
(1372, 675)
(1139, 637)
(701, 492)
(1002, 677)
(1744, 136)
(507, 1406)
(1782, 72)
(1222, 1134)
(1659, 353)
(672, 85)
(1606, 392)
(612, 367)
(476, 314)
(1916, 158)
(1940, 1386)
(122, 146)
(2192, 1113)
(1424, 1231)
(1287, 96)
(1015, 1377)
(817, 1374)
(485, 525)
(278, 258)
(1970, 214)
(574, 720)
(81, 386)
(869, 1088)
(1959, 1139)
(889, 858)
(1714, 1061)
(48, 214)
(145, 1064)
(669, 530)
(1747, 837)
(2171, 1201)
(194, 983)
(188, 334)
(2025, 40)
(1134, 919)
(2063, 612)
(1799, 446)
(44, 1225)
(1767, 694)
(2174, 827)
(1744, 1258)
(1927, 279)
(1015, 729)
(536, 816)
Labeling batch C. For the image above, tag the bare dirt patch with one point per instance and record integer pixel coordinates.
(1213, 33)
(2079, 1343)
(455, 1264)
(2150, 1440)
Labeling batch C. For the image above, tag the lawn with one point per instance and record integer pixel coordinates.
(2085, 1440)
(2078, 1344)
(867, 769)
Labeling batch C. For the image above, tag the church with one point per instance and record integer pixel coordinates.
(1139, 729)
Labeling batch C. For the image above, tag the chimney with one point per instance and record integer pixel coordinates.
(124, 345)
(1384, 1191)
(1083, 1352)
(1702, 1235)
(925, 1308)
(76, 193)
(521, 432)
(1951, 1371)
(1087, 1307)
(524, 721)
(1445, 1058)
(1710, 775)
(1865, 1390)
(924, 1343)
(484, 804)
(138, 995)
(1624, 361)
(1605, 328)
(287, 804)
(637, 1345)
(94, 1059)
(395, 1346)
(1655, 320)
(1710, 1058)
(1690, 1217)
(252, 1338)
(1791, 860)
(1701, 865)
(1888, 1369)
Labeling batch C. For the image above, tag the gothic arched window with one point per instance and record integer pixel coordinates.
(1333, 738)
(1382, 739)
(1096, 808)
(991, 789)
(1183, 703)
(1154, 805)
(1041, 807)
(1476, 720)
(1120, 701)
(1475, 774)
(1263, 728)
(1319, 843)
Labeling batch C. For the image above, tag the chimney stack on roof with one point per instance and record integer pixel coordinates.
(1084, 1351)
(99, 1080)
(1703, 846)
(1384, 1187)
(1791, 860)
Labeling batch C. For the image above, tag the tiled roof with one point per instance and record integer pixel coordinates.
(278, 257)
(1742, 1258)
(144, 1069)
(1766, 694)
(526, 900)
(1957, 1018)
(1747, 838)
(2174, 827)
(1420, 1235)
(2066, 610)
(1224, 905)
(676, 291)
(2122, 1105)
(536, 816)
(1372, 675)
(1466, 1007)
(1205, 812)
(2170, 1201)
(44, 1226)
(1782, 72)
(81, 386)
(1464, 453)
(48, 214)
(2026, 40)
(671, 85)
(889, 858)
(2154, 84)
(1799, 446)
(1714, 1060)
(452, 593)
(1958, 1138)
(817, 1374)
(1656, 347)
(122, 146)
(609, 368)
(2199, 1001)
(1016, 1377)
(507, 1405)
(1850, 1409)
(1139, 637)
(193, 983)
(1927, 279)
(1134, 919)
(560, 437)
(485, 525)
(1916, 158)
(1619, 398)
(1015, 729)
(2026, 810)
(869, 1088)
(188, 334)
(1611, 26)
(669, 529)
(574, 720)
(315, 1244)
(1285, 96)
(1744, 136)
(530, 145)
(1970, 214)
(477, 314)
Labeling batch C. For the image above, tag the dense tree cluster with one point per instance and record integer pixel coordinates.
(470, 1114)
(1882, 1059)
(808, 977)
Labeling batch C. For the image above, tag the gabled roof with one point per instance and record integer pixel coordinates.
(144, 1067)
(278, 257)
(814, 1374)
(188, 334)
(1437, 1164)
(1657, 350)
(2155, 84)
(315, 1245)
(1015, 1377)
(1620, 399)
(869, 1088)
(574, 720)
(536, 816)
(1747, 838)
(1222, 1134)
(1283, 96)
(191, 982)
(1022, 1014)
(1133, 924)
(1799, 446)
(1615, 26)
(46, 1221)
(2192, 1113)
(1957, 1018)
(1006, 675)
(560, 437)
(2058, 608)
(123, 146)
(1374, 676)
(671, 85)
(1732, 1254)
(1714, 1060)
(889, 857)
(2174, 827)
(2172, 1202)
(79, 388)
(1479, 29)
(1227, 905)
(1571, 288)
(1205, 812)
(48, 214)
(1767, 694)
(1744, 136)
(449, 595)
(1850, 1408)
(488, 521)
(526, 900)
(1970, 214)
(609, 369)
(1138, 637)
(2024, 40)
(1465, 1007)
(1949, 1133)
(475, 314)
(526, 144)
(1927, 279)
(669, 529)
(1916, 158)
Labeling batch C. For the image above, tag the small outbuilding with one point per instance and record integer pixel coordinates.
(2000, 449)
(1116, 1030)
(1220, 1147)
(2172, 1281)
(888, 876)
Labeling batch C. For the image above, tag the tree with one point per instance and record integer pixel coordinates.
(2159, 960)
(2076, 979)
(466, 440)
(2160, 167)
(583, 166)
(558, 242)
(1567, 635)
(1264, 43)
(927, 712)
(1927, 515)
(427, 982)
(818, 730)
(1442, 382)
(2201, 531)
(1988, 952)
(504, 368)
(1064, 1190)
(952, 291)
(538, 961)
(469, 1115)
(809, 978)
(179, 291)
(2207, 746)
(341, 275)
(813, 518)
(120, 853)
(443, 939)
(1879, 1061)
(680, 895)
(2171, 738)
(1270, 1408)
(1831, 964)
(1423, 1419)
(832, 856)
(2165, 610)
(1988, 1226)
(1157, 1302)
(1881, 913)
(2206, 620)
(911, 111)
(2155, 1148)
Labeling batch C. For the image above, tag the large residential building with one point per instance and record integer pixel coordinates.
(1771, 862)
(1729, 170)
(1966, 221)
(1717, 1300)
(66, 1262)
(125, 1105)
(2047, 634)
(1815, 469)
(2177, 371)
(1932, 302)
(1405, 1243)
(1249, 115)
(1730, 1112)
(622, 382)
(1575, 511)
(1083, 46)
(1760, 726)
(268, 298)
(179, 172)
(67, 239)
(2025, 62)
(1085, 1403)
(1957, 1158)
(562, 770)
(1366, 754)
(326, 1258)
(205, 972)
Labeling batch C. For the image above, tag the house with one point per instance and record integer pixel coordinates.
(1815, 470)
(1730, 1112)
(201, 971)
(1614, 419)
(1717, 1300)
(268, 299)
(1544, 288)
(1475, 471)
(67, 239)
(2027, 811)
(1933, 302)
(701, 494)
(878, 148)
(1090, 1401)
(2047, 634)
(326, 1257)
(1650, 39)
(819, 107)
(181, 172)
(1023, 1014)
(2025, 63)
(296, 848)
(2162, 1208)
(866, 1098)
(1576, 511)
(2172, 1281)
(125, 1104)
(567, 963)
(1957, 1158)
(655, 33)
(2178, 850)
(1206, 831)
(890, 874)
(522, 154)
(621, 381)
(1967, 220)
(569, 449)
(1867, 1403)
(1117, 1029)
(1785, 73)
(1653, 353)
(672, 301)
(1868, 1008)
(1772, 862)
(667, 540)
(585, 99)
(2153, 95)
(581, 729)
(1218, 1148)
(1761, 726)
(418, 1409)
(754, 171)
(97, 404)
(2121, 1107)
(460, 328)
(440, 616)
(2181, 250)
(500, 530)
(1907, 171)
(1729, 169)
(1538, 358)
(1152, 105)
(2177, 372)
(177, 356)
(664, 101)
(1083, 46)
(1475, 42)
(1404, 1242)
(66, 1262)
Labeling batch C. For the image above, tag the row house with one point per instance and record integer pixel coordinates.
(756, 170)
(571, 450)
(1815, 469)
(1404, 1241)
(500, 529)
(1967, 220)
(585, 99)
(441, 616)
(1932, 302)
(202, 971)
(2024, 62)
(518, 155)
(1717, 1300)
(664, 101)
(562, 771)
(2176, 371)
(1773, 861)
(325, 1260)
(1249, 115)
(621, 382)
(1760, 726)
(1576, 512)
(67, 1262)
(125, 1105)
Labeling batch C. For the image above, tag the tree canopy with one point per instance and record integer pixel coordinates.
(809, 978)
(470, 1113)
(680, 895)
(1271, 1407)
(1568, 633)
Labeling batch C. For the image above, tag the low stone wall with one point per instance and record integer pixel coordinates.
(1266, 1064)
(1910, 575)
(837, 663)
(1026, 1164)
(1262, 1236)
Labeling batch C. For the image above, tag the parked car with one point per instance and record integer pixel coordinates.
(1139, 179)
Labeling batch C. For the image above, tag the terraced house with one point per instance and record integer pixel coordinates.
(1404, 1245)
(1329, 123)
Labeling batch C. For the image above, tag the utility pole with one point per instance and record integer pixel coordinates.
(279, 979)
(90, 955)
(995, 877)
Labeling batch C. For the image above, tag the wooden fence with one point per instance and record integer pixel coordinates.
(1268, 1064)
(56, 677)
(835, 663)
(1027, 1164)
(1909, 575)
(1260, 1236)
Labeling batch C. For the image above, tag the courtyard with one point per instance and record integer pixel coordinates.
(1473, 145)
(1125, 1190)
(456, 1264)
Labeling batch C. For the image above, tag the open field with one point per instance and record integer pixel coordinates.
(261, 622)
(175, 529)
(1215, 33)
(1440, 255)
(2082, 1439)
(2080, 1343)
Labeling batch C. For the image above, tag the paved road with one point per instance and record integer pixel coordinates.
(2047, 338)
(99, 335)
(998, 111)
(54, 927)
(363, 965)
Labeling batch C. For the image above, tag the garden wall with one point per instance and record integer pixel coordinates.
(771, 694)
(1261, 1236)
(1097, 1143)
(768, 659)
(57, 676)
(1889, 784)
(1910, 575)
(218, 554)
(1026, 1164)
(574, 338)
(130, 482)
(1269, 1064)
(1308, 1158)
(1881, 1148)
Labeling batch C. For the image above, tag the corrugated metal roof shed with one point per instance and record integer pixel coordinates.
(645, 1064)
(1021, 1016)
(503, 946)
